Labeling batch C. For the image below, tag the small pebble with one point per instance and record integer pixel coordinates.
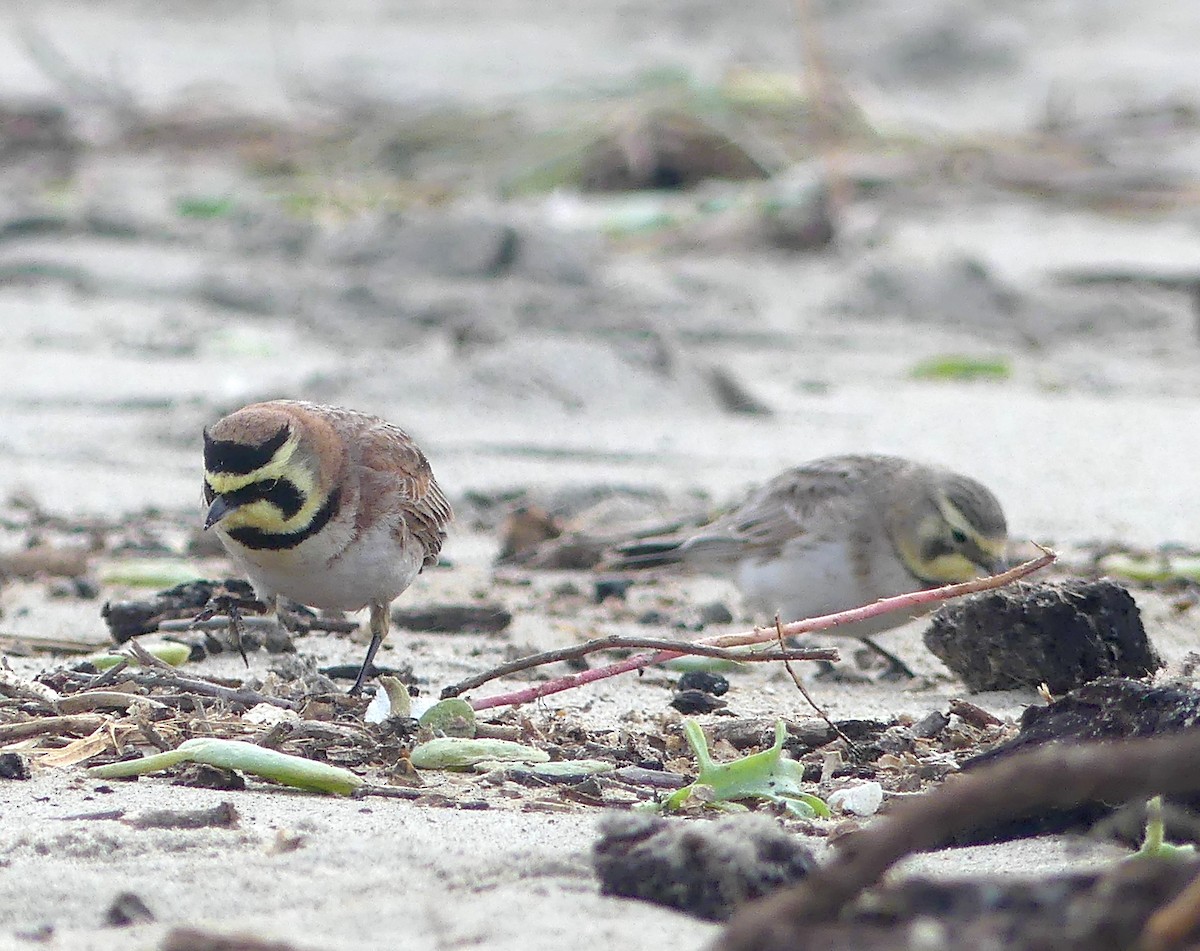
(696, 701)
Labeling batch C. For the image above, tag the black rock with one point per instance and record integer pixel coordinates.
(704, 869)
(1062, 634)
(931, 724)
(716, 612)
(715, 684)
(128, 909)
(13, 766)
(611, 588)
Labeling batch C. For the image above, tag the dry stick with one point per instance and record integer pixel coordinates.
(163, 674)
(850, 744)
(761, 635)
(146, 659)
(818, 83)
(635, 643)
(1056, 776)
(81, 723)
(242, 695)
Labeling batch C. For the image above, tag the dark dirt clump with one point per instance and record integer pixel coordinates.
(1106, 709)
(705, 869)
(1063, 634)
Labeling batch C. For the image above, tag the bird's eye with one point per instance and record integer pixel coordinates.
(959, 536)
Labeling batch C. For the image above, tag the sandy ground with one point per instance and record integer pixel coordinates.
(106, 380)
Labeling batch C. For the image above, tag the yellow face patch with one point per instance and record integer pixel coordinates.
(947, 549)
(949, 569)
(262, 514)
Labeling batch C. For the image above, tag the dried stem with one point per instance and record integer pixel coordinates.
(159, 677)
(819, 84)
(850, 745)
(762, 635)
(617, 641)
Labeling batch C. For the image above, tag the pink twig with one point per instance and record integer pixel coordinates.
(762, 635)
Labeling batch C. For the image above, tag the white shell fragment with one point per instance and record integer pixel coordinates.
(861, 800)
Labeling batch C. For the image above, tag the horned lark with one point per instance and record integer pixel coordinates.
(326, 506)
(842, 532)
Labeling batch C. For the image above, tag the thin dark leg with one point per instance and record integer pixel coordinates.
(379, 629)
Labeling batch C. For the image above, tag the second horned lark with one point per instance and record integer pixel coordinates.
(842, 532)
(329, 507)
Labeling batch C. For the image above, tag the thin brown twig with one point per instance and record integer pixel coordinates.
(616, 641)
(110, 676)
(787, 665)
(1056, 776)
(146, 659)
(761, 635)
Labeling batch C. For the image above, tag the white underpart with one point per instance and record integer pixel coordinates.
(374, 569)
(808, 580)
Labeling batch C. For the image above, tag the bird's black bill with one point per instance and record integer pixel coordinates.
(220, 507)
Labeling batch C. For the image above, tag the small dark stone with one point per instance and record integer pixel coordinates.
(897, 739)
(38, 934)
(76, 587)
(350, 671)
(744, 734)
(696, 701)
(642, 775)
(278, 640)
(813, 734)
(611, 588)
(653, 618)
(454, 618)
(1062, 633)
(930, 725)
(715, 612)
(221, 816)
(13, 766)
(128, 909)
(203, 776)
(715, 684)
(707, 870)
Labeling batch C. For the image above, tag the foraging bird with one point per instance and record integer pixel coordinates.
(841, 532)
(327, 506)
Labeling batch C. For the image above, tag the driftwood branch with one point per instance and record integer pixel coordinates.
(617, 641)
(1049, 777)
(761, 635)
